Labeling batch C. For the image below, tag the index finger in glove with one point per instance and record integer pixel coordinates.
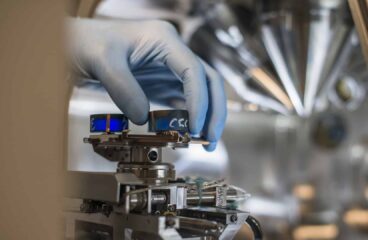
(217, 111)
(123, 88)
(186, 66)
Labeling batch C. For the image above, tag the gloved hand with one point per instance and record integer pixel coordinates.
(138, 61)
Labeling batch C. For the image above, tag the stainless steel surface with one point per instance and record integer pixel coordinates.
(240, 59)
(139, 154)
(210, 197)
(273, 156)
(97, 186)
(144, 189)
(301, 55)
(198, 222)
(205, 227)
(90, 98)
(229, 222)
(157, 174)
(284, 51)
(154, 227)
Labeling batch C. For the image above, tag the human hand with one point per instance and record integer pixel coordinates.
(138, 61)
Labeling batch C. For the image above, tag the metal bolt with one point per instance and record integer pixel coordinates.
(233, 218)
(220, 228)
(152, 155)
(171, 208)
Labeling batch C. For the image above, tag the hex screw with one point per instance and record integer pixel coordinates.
(171, 208)
(233, 218)
(152, 155)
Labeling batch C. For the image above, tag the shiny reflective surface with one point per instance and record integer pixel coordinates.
(295, 60)
(294, 56)
(238, 57)
(88, 98)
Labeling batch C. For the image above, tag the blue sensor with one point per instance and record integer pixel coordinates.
(108, 123)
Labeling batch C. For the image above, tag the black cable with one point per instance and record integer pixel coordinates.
(255, 226)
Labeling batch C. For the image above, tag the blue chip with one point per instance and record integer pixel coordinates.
(108, 123)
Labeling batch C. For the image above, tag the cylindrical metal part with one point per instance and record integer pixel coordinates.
(206, 198)
(158, 198)
(156, 174)
(202, 226)
(127, 200)
(139, 201)
(144, 154)
(209, 198)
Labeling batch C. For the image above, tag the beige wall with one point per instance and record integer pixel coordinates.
(33, 97)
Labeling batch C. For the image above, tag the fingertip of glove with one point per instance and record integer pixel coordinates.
(196, 124)
(139, 120)
(139, 115)
(210, 147)
(194, 131)
(137, 111)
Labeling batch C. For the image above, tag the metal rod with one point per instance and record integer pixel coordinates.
(127, 199)
(202, 226)
(210, 197)
(149, 203)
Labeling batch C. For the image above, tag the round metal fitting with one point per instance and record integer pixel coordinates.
(153, 155)
(156, 174)
(233, 218)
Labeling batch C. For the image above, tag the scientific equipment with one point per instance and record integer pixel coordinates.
(143, 199)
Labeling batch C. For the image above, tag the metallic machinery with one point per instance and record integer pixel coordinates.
(297, 58)
(280, 55)
(143, 199)
(302, 59)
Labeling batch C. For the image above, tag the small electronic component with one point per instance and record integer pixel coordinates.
(168, 120)
(108, 123)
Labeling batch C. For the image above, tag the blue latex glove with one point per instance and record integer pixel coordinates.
(138, 61)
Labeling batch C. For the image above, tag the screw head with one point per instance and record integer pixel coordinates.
(171, 208)
(233, 218)
(152, 155)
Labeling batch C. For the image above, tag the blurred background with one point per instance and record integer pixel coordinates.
(296, 136)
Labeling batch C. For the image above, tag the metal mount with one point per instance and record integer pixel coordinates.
(143, 199)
